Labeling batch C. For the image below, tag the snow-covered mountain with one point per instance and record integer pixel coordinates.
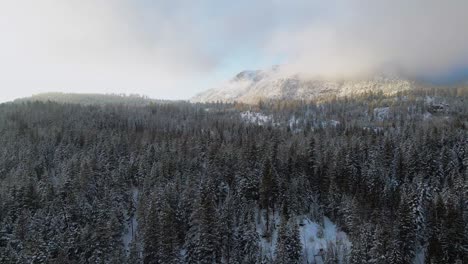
(274, 84)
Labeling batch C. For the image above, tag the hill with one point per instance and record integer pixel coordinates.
(91, 99)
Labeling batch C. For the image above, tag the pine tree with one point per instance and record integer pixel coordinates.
(134, 254)
(247, 241)
(202, 238)
(295, 244)
(152, 235)
(268, 193)
(361, 252)
(281, 253)
(169, 251)
(406, 231)
(288, 247)
(379, 246)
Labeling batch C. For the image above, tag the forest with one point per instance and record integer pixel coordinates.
(177, 182)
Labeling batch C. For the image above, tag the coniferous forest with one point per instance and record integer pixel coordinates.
(174, 182)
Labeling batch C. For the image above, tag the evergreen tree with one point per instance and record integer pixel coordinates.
(202, 238)
(288, 247)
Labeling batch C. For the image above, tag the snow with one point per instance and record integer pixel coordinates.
(420, 256)
(268, 246)
(314, 237)
(376, 129)
(427, 116)
(131, 225)
(436, 105)
(330, 239)
(334, 123)
(330, 123)
(295, 124)
(256, 118)
(382, 113)
(429, 99)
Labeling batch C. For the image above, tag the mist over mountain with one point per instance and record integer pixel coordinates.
(276, 83)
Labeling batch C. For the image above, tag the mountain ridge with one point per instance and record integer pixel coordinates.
(90, 98)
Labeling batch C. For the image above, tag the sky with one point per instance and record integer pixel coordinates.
(176, 49)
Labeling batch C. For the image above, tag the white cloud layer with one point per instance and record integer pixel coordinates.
(94, 46)
(417, 37)
(172, 49)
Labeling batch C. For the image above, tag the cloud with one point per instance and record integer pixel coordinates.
(96, 46)
(174, 49)
(419, 38)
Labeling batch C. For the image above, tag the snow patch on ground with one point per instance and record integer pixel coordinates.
(376, 129)
(420, 256)
(295, 124)
(429, 99)
(256, 118)
(330, 123)
(314, 236)
(131, 224)
(382, 113)
(327, 237)
(436, 104)
(268, 245)
(334, 123)
(427, 116)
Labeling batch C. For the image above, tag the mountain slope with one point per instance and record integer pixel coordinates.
(272, 84)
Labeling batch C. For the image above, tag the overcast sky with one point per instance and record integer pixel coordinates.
(175, 49)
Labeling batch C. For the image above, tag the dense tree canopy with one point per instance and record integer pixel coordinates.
(190, 183)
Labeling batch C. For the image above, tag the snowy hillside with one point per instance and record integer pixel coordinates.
(317, 240)
(252, 86)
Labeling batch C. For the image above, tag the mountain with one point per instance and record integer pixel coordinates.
(90, 99)
(274, 84)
